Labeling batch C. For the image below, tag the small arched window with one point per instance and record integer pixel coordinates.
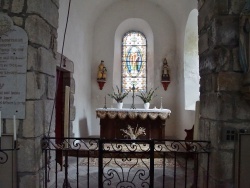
(134, 61)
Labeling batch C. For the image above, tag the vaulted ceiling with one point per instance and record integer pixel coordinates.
(174, 8)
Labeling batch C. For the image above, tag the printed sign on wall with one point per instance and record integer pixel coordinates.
(13, 68)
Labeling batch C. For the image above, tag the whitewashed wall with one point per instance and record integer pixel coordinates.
(90, 39)
(185, 118)
(161, 42)
(78, 49)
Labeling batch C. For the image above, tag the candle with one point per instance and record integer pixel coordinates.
(66, 114)
(14, 127)
(0, 124)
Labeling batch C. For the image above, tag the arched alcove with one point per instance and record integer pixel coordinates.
(191, 61)
(140, 25)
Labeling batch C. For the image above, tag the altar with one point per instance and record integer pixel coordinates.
(113, 121)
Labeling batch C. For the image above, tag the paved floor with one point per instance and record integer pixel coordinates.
(125, 177)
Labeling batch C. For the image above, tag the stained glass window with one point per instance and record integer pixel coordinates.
(134, 61)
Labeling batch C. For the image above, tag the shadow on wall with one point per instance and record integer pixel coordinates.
(83, 128)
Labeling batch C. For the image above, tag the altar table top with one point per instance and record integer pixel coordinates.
(132, 113)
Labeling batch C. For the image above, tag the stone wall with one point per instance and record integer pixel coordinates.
(223, 110)
(39, 18)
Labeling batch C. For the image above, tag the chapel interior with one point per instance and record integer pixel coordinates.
(204, 42)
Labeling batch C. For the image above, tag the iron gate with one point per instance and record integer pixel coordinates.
(89, 162)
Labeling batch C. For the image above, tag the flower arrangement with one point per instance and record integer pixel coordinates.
(129, 132)
(119, 96)
(147, 96)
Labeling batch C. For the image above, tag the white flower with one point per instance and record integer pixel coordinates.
(134, 134)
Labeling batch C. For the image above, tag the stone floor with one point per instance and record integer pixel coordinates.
(122, 174)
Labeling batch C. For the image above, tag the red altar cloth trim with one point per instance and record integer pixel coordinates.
(112, 113)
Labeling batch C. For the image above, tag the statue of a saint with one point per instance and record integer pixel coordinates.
(165, 71)
(102, 71)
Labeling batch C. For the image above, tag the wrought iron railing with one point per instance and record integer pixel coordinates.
(88, 162)
(8, 165)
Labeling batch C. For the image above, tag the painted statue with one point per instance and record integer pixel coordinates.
(165, 71)
(102, 71)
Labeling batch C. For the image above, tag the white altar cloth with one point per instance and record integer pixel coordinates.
(133, 113)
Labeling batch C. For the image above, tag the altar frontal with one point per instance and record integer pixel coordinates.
(132, 123)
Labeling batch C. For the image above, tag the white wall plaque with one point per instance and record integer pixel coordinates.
(13, 66)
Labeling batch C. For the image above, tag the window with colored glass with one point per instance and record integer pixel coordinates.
(134, 61)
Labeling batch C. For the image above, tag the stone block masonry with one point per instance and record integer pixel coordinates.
(39, 18)
(222, 105)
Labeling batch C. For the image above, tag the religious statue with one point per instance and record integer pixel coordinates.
(165, 71)
(102, 71)
(244, 48)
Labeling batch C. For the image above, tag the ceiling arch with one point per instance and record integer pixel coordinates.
(176, 9)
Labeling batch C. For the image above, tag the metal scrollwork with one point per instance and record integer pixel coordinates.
(180, 146)
(122, 163)
(45, 143)
(3, 157)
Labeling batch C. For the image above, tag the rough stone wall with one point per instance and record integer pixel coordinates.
(39, 18)
(223, 110)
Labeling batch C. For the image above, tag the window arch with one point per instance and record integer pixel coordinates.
(134, 61)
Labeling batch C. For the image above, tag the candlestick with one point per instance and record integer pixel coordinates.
(133, 97)
(105, 106)
(14, 127)
(161, 102)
